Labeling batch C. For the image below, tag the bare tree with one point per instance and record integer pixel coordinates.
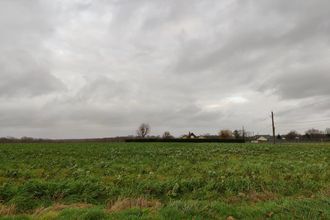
(314, 133)
(292, 135)
(237, 134)
(167, 135)
(327, 132)
(143, 130)
(226, 134)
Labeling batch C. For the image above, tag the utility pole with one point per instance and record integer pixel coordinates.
(273, 126)
(243, 130)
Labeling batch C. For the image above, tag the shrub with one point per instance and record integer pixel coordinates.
(24, 203)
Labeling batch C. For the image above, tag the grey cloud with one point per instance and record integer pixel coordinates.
(24, 75)
(24, 59)
(106, 89)
(301, 83)
(277, 34)
(306, 108)
(99, 68)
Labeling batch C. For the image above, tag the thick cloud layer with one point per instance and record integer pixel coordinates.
(83, 68)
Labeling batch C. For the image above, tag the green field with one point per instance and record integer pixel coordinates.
(164, 181)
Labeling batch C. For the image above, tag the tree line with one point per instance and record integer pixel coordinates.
(144, 130)
(311, 134)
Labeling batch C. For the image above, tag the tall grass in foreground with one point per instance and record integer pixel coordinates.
(164, 181)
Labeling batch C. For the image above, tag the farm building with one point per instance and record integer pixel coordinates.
(190, 135)
(262, 139)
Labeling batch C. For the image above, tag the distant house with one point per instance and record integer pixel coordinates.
(190, 135)
(208, 136)
(262, 139)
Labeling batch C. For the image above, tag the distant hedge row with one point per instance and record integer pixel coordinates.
(186, 140)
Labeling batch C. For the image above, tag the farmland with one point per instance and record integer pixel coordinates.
(164, 181)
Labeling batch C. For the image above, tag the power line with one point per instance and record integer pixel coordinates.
(303, 122)
(300, 105)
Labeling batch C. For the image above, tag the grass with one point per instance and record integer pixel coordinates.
(164, 181)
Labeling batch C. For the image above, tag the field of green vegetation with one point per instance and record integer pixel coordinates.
(164, 181)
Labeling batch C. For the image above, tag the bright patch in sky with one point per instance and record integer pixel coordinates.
(236, 99)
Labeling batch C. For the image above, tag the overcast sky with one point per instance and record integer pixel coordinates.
(83, 68)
